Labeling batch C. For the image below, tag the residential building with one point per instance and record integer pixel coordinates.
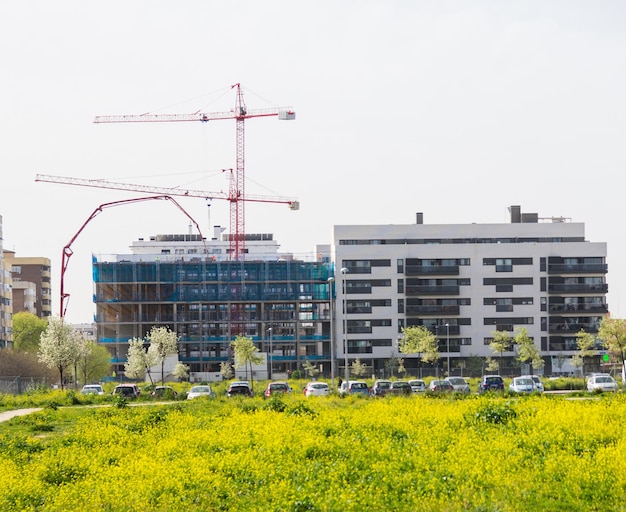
(6, 336)
(34, 270)
(463, 282)
(191, 285)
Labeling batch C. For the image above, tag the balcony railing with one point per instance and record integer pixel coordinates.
(591, 268)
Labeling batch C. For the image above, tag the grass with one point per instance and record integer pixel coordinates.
(288, 453)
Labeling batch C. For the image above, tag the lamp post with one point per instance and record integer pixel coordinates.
(448, 347)
(344, 271)
(269, 330)
(330, 282)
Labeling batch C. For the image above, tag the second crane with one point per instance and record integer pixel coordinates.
(236, 193)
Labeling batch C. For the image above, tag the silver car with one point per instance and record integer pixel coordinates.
(459, 384)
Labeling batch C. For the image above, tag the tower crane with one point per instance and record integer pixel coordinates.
(236, 194)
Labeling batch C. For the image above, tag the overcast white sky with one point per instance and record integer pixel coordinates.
(457, 109)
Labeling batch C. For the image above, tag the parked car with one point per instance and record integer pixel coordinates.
(354, 387)
(276, 387)
(440, 386)
(521, 385)
(381, 387)
(316, 389)
(400, 387)
(417, 385)
(491, 383)
(200, 391)
(538, 385)
(601, 382)
(239, 388)
(459, 384)
(92, 389)
(164, 392)
(127, 390)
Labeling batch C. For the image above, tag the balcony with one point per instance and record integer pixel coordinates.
(431, 290)
(432, 310)
(579, 308)
(442, 270)
(578, 288)
(592, 268)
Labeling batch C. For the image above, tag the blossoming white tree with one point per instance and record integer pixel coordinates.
(58, 346)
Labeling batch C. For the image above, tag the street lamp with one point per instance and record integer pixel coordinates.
(269, 330)
(344, 271)
(333, 338)
(448, 347)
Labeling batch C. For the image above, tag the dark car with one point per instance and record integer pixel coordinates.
(400, 387)
(276, 387)
(381, 387)
(239, 389)
(440, 386)
(127, 390)
(164, 392)
(491, 383)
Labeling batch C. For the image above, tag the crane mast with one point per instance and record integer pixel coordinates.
(236, 193)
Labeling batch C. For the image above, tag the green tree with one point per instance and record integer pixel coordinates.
(310, 369)
(358, 368)
(560, 361)
(491, 365)
(57, 346)
(392, 365)
(95, 362)
(500, 343)
(612, 333)
(163, 343)
(419, 340)
(586, 343)
(527, 350)
(246, 354)
(27, 330)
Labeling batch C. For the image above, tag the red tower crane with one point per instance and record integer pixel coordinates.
(236, 194)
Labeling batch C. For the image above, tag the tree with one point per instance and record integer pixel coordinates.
(392, 365)
(491, 365)
(500, 343)
(612, 333)
(24, 364)
(419, 340)
(560, 361)
(310, 369)
(27, 330)
(586, 343)
(57, 346)
(95, 362)
(163, 343)
(246, 353)
(139, 360)
(357, 368)
(527, 350)
(181, 371)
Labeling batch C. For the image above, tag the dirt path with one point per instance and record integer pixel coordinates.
(7, 415)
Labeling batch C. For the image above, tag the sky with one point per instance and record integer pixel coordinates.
(456, 109)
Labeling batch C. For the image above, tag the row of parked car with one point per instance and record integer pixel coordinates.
(596, 382)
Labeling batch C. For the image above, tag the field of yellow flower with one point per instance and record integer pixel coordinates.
(480, 453)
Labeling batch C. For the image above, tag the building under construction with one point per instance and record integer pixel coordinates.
(193, 287)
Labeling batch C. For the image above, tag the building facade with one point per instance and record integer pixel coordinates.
(463, 282)
(191, 286)
(28, 271)
(6, 332)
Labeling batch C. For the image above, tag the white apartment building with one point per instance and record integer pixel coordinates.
(463, 282)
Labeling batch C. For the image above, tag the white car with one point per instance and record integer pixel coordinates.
(92, 389)
(536, 381)
(316, 389)
(198, 391)
(521, 385)
(459, 384)
(601, 382)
